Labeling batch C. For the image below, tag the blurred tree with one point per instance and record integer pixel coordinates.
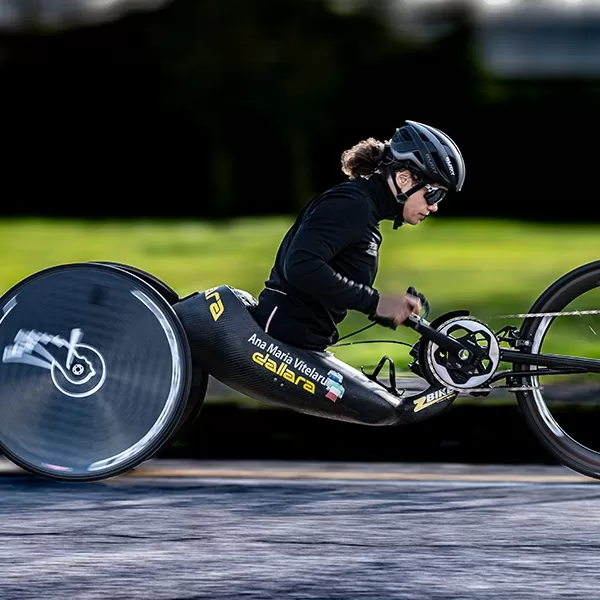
(39, 15)
(263, 82)
(223, 108)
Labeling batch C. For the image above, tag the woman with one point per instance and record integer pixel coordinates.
(328, 260)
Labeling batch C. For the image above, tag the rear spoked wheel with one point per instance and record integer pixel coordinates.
(95, 372)
(561, 409)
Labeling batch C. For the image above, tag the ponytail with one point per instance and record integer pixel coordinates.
(363, 159)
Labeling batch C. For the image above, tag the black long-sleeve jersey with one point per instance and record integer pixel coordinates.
(326, 264)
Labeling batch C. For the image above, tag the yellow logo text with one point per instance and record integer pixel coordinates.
(216, 307)
(432, 398)
(283, 370)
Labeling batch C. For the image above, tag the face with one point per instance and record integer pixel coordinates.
(416, 207)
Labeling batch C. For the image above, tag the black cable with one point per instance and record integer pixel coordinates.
(371, 342)
(355, 332)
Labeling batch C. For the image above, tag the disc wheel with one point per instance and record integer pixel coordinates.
(95, 372)
(199, 385)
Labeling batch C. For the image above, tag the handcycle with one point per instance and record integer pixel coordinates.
(103, 365)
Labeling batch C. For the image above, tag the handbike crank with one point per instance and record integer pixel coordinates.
(474, 375)
(469, 370)
(462, 353)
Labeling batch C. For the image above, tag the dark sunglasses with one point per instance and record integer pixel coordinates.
(433, 194)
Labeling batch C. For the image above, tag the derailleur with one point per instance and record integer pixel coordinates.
(510, 335)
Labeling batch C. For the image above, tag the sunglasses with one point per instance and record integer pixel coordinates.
(434, 194)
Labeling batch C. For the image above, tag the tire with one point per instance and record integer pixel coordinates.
(534, 404)
(168, 293)
(199, 383)
(95, 372)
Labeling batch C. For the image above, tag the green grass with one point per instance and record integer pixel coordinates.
(488, 267)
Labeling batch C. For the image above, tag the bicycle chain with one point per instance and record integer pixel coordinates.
(573, 313)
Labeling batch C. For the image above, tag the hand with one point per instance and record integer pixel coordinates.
(398, 309)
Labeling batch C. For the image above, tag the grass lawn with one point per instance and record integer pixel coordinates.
(489, 267)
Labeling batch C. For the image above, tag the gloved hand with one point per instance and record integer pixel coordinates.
(394, 310)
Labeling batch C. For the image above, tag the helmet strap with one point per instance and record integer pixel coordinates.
(401, 198)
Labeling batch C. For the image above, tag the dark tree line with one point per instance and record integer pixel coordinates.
(217, 109)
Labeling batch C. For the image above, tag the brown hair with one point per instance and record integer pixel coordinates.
(364, 158)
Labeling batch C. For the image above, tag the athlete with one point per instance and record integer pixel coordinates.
(327, 262)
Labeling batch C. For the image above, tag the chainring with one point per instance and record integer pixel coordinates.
(438, 365)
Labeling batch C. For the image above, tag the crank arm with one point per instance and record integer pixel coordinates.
(445, 342)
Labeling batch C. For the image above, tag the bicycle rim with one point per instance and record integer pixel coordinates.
(95, 372)
(559, 409)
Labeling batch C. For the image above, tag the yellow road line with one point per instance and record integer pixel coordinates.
(353, 475)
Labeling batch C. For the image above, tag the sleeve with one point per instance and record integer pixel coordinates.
(333, 225)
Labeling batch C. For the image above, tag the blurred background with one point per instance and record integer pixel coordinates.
(221, 109)
(182, 137)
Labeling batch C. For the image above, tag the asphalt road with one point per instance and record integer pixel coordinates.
(172, 530)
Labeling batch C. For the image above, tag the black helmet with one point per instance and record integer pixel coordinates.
(431, 153)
